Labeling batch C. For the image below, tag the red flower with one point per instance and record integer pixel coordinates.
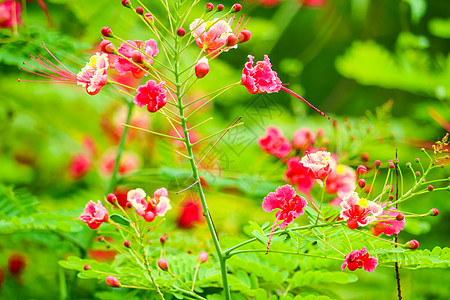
(359, 212)
(392, 226)
(342, 180)
(297, 174)
(151, 94)
(303, 139)
(190, 213)
(359, 259)
(9, 9)
(275, 143)
(94, 214)
(16, 264)
(318, 164)
(80, 165)
(148, 208)
(123, 65)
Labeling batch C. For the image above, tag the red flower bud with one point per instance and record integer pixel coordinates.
(417, 159)
(220, 7)
(236, 7)
(430, 188)
(86, 267)
(417, 173)
(365, 156)
(107, 47)
(107, 32)
(112, 198)
(232, 40)
(377, 164)
(149, 17)
(149, 216)
(181, 31)
(137, 57)
(433, 212)
(391, 197)
(201, 68)
(400, 217)
(140, 10)
(391, 166)
(209, 7)
(127, 244)
(162, 240)
(166, 235)
(361, 170)
(202, 257)
(244, 36)
(361, 183)
(412, 244)
(126, 3)
(352, 223)
(16, 264)
(163, 265)
(112, 281)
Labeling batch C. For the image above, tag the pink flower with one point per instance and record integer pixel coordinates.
(290, 204)
(150, 208)
(123, 65)
(80, 165)
(359, 212)
(359, 259)
(303, 139)
(10, 13)
(262, 79)
(392, 226)
(94, 214)
(275, 143)
(318, 164)
(297, 174)
(94, 75)
(151, 94)
(211, 36)
(342, 180)
(190, 213)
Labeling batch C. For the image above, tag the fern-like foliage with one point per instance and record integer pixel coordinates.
(16, 202)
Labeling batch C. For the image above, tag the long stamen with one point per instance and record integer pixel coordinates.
(301, 98)
(272, 231)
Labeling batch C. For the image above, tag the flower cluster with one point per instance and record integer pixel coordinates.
(147, 207)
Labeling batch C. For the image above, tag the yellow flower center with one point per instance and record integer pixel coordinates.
(340, 169)
(363, 202)
(93, 61)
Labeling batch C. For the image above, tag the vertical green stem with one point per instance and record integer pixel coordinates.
(195, 174)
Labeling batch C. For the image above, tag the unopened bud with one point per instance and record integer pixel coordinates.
(181, 31)
(236, 7)
(129, 205)
(365, 156)
(430, 188)
(244, 36)
(417, 159)
(166, 235)
(86, 267)
(140, 10)
(232, 40)
(149, 216)
(408, 163)
(107, 47)
(107, 32)
(417, 173)
(127, 244)
(334, 123)
(202, 257)
(396, 161)
(101, 239)
(391, 166)
(433, 212)
(201, 68)
(400, 217)
(391, 197)
(126, 3)
(361, 183)
(16, 264)
(361, 170)
(163, 265)
(377, 164)
(112, 281)
(162, 240)
(137, 57)
(112, 198)
(412, 244)
(149, 17)
(220, 7)
(209, 7)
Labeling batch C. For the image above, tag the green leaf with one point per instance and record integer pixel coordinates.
(120, 219)
(418, 9)
(260, 237)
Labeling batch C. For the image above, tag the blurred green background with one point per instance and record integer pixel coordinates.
(381, 68)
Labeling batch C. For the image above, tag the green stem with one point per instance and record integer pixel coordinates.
(321, 200)
(284, 252)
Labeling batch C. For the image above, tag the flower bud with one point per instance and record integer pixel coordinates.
(361, 170)
(220, 7)
(430, 188)
(126, 3)
(129, 205)
(201, 68)
(209, 7)
(391, 166)
(202, 257)
(149, 17)
(236, 7)
(112, 281)
(412, 244)
(232, 40)
(361, 183)
(162, 240)
(400, 217)
(112, 198)
(140, 10)
(101, 239)
(87, 267)
(108, 47)
(377, 164)
(365, 156)
(137, 57)
(391, 197)
(396, 161)
(16, 264)
(417, 173)
(181, 31)
(408, 164)
(127, 244)
(107, 32)
(433, 212)
(149, 216)
(244, 36)
(163, 265)
(417, 159)
(166, 235)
